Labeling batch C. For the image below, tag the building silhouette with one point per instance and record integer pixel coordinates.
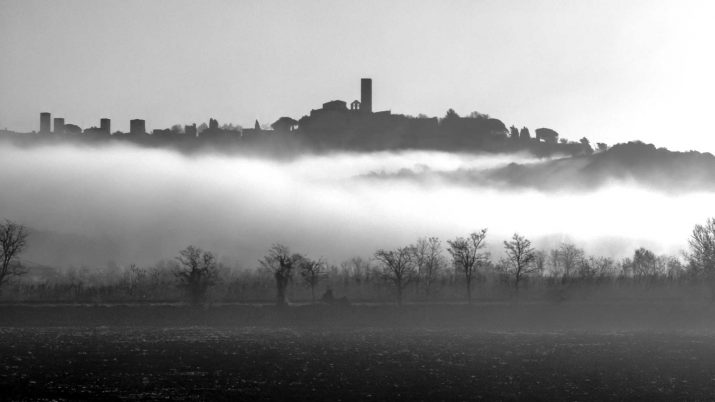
(137, 126)
(45, 122)
(190, 130)
(105, 125)
(284, 125)
(59, 125)
(366, 95)
(353, 126)
(335, 105)
(73, 129)
(547, 135)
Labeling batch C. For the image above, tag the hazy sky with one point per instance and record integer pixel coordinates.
(609, 70)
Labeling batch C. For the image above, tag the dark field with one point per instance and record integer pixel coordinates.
(344, 362)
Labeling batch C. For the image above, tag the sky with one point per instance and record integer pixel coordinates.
(612, 71)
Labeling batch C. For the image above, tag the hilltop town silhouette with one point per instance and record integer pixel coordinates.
(335, 126)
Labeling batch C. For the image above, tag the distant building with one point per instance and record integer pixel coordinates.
(366, 95)
(190, 130)
(547, 135)
(360, 127)
(73, 129)
(214, 132)
(335, 105)
(95, 132)
(252, 133)
(45, 122)
(59, 125)
(137, 126)
(105, 125)
(162, 132)
(284, 125)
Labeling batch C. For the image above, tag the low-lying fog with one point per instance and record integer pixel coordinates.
(88, 206)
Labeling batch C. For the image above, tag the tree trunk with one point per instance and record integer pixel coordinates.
(281, 284)
(195, 294)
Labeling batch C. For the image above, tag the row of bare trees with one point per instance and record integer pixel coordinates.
(198, 271)
(418, 266)
(424, 259)
(421, 264)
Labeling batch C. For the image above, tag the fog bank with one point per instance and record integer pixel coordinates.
(89, 206)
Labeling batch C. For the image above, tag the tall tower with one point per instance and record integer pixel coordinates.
(105, 125)
(59, 125)
(366, 95)
(45, 122)
(137, 126)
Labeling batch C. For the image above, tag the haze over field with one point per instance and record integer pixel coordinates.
(129, 205)
(341, 199)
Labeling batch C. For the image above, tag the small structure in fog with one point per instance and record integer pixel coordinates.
(329, 298)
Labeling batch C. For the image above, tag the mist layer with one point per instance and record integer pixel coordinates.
(89, 206)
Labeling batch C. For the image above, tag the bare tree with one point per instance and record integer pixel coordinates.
(540, 258)
(13, 240)
(397, 267)
(429, 261)
(673, 267)
(555, 261)
(357, 269)
(644, 263)
(312, 272)
(702, 249)
(601, 266)
(520, 258)
(419, 258)
(570, 258)
(281, 263)
(467, 258)
(197, 272)
(134, 277)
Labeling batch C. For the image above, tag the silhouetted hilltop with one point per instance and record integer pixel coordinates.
(649, 166)
(636, 162)
(329, 131)
(355, 127)
(333, 127)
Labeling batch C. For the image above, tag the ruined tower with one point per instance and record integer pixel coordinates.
(366, 95)
(137, 126)
(105, 125)
(59, 125)
(45, 122)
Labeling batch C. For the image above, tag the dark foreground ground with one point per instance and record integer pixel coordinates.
(102, 356)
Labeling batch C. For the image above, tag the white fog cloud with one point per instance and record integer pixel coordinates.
(134, 205)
